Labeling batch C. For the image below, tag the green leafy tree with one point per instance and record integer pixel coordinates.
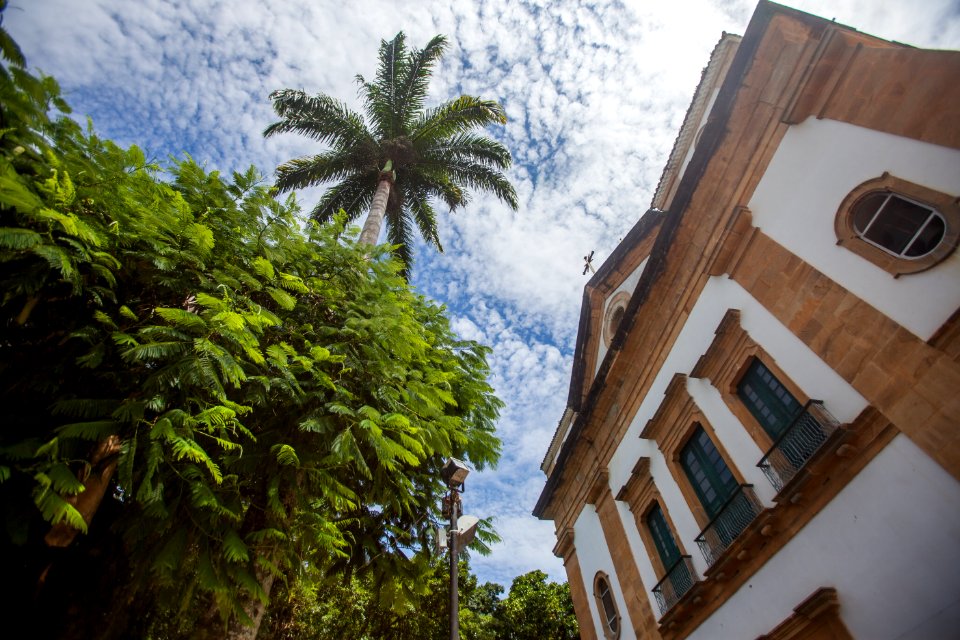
(199, 396)
(536, 609)
(399, 158)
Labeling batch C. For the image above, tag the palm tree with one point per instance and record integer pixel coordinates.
(401, 156)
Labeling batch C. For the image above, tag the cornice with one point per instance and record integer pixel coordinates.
(565, 543)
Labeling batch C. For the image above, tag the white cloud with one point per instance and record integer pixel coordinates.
(595, 92)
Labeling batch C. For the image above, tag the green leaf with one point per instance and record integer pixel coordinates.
(181, 318)
(63, 480)
(286, 455)
(171, 554)
(262, 267)
(95, 430)
(14, 238)
(201, 237)
(234, 548)
(14, 193)
(282, 298)
(55, 509)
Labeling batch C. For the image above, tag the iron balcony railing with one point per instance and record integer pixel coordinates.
(795, 446)
(738, 512)
(679, 579)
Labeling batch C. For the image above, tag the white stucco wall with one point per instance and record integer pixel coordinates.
(593, 556)
(888, 543)
(816, 165)
(629, 284)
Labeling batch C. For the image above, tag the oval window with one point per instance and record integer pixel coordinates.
(616, 309)
(899, 226)
(607, 606)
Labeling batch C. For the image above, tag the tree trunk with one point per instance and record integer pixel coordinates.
(103, 464)
(253, 608)
(374, 221)
(210, 626)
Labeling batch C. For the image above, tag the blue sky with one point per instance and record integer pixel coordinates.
(594, 92)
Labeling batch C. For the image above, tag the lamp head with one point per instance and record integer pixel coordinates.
(466, 529)
(454, 472)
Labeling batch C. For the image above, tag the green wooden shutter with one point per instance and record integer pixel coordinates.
(662, 537)
(767, 399)
(707, 471)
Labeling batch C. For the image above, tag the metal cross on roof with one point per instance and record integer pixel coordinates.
(588, 264)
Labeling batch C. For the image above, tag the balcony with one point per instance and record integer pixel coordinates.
(679, 580)
(801, 440)
(738, 512)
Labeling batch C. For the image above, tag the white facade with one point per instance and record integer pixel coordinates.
(871, 529)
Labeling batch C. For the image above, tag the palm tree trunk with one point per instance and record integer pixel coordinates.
(374, 221)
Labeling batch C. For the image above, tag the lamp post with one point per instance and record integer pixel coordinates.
(454, 472)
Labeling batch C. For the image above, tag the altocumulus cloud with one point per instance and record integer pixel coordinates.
(595, 92)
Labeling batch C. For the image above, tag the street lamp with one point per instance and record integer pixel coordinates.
(462, 530)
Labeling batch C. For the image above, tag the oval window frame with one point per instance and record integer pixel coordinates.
(608, 633)
(618, 303)
(946, 205)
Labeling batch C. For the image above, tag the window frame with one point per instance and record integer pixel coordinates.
(727, 360)
(641, 496)
(617, 303)
(942, 204)
(605, 621)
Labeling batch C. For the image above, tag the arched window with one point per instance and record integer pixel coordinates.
(607, 606)
(900, 226)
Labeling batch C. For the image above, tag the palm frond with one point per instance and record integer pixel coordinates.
(435, 153)
(426, 219)
(9, 49)
(465, 147)
(319, 117)
(413, 91)
(381, 96)
(457, 116)
(353, 195)
(323, 167)
(434, 182)
(478, 176)
(400, 234)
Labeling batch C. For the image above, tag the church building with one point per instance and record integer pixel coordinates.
(762, 433)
